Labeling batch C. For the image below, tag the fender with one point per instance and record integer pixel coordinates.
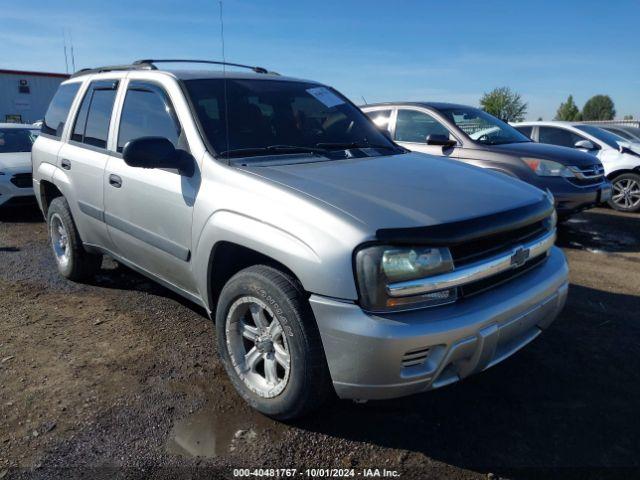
(267, 239)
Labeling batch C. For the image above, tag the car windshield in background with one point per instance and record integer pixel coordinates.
(268, 117)
(16, 140)
(482, 127)
(609, 138)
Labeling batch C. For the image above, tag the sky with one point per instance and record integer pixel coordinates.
(369, 50)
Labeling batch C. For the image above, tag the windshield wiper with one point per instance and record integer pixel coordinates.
(283, 149)
(349, 145)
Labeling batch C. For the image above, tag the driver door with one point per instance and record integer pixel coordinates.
(148, 211)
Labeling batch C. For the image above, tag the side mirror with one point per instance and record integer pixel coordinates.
(586, 144)
(155, 152)
(439, 139)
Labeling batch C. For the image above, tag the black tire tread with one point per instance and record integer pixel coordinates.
(317, 382)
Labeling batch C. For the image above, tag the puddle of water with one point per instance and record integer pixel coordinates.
(210, 433)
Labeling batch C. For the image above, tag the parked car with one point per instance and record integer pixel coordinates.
(628, 132)
(621, 160)
(473, 136)
(15, 164)
(331, 259)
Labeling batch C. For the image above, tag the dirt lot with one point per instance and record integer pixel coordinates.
(120, 379)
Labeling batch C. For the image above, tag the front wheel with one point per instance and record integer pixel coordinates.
(626, 193)
(269, 343)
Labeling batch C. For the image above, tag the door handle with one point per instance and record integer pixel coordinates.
(115, 180)
(66, 164)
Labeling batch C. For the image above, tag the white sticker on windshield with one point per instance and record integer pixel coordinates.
(326, 96)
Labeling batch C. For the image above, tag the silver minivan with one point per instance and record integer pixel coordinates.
(332, 260)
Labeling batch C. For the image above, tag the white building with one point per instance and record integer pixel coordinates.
(25, 96)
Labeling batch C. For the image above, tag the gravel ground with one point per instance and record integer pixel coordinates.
(120, 379)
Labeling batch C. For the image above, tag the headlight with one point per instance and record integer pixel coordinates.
(379, 266)
(547, 168)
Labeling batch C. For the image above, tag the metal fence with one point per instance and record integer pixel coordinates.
(628, 123)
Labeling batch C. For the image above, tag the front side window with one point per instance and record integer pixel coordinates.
(92, 121)
(16, 140)
(381, 118)
(609, 138)
(58, 110)
(147, 113)
(268, 117)
(482, 127)
(414, 126)
(558, 136)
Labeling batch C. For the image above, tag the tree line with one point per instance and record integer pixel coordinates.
(509, 106)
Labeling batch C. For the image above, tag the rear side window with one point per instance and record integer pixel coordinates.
(380, 118)
(58, 110)
(94, 115)
(525, 130)
(147, 112)
(558, 136)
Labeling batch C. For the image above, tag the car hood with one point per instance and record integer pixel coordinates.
(15, 160)
(402, 191)
(564, 155)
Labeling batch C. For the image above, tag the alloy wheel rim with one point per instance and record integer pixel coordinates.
(626, 193)
(60, 240)
(258, 347)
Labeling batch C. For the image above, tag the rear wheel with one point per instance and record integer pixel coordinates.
(269, 343)
(626, 193)
(72, 260)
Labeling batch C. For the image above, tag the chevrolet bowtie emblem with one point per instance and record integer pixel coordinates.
(520, 256)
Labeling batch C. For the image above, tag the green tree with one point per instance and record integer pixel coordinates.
(599, 107)
(628, 117)
(505, 104)
(568, 110)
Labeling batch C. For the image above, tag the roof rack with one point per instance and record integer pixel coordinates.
(149, 64)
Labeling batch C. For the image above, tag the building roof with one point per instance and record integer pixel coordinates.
(34, 74)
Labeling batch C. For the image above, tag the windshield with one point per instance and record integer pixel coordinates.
(16, 139)
(267, 117)
(482, 127)
(609, 138)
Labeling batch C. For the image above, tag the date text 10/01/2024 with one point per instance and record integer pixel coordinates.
(316, 472)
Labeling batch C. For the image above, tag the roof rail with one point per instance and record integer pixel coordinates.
(148, 64)
(110, 68)
(210, 62)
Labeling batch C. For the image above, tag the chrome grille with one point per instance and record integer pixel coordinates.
(585, 176)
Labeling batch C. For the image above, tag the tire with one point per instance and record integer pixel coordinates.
(626, 193)
(284, 307)
(72, 260)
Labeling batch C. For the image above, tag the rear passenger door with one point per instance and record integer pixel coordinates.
(84, 157)
(149, 211)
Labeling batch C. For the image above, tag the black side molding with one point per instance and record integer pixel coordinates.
(448, 234)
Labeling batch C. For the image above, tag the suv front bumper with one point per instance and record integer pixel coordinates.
(392, 355)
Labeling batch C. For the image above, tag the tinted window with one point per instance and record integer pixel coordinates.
(94, 115)
(380, 118)
(414, 126)
(271, 114)
(146, 113)
(482, 127)
(16, 140)
(58, 110)
(558, 136)
(525, 130)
